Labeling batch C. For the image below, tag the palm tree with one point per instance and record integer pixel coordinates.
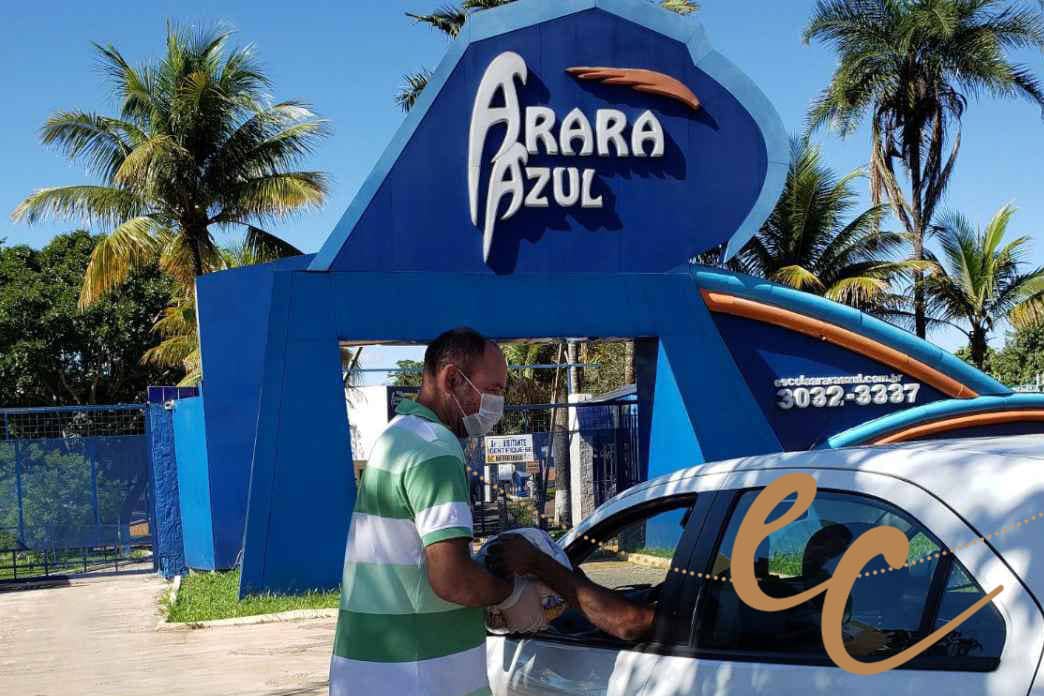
(910, 66)
(450, 20)
(809, 242)
(196, 146)
(177, 325)
(978, 282)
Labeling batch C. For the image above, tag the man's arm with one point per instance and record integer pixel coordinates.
(456, 578)
(608, 610)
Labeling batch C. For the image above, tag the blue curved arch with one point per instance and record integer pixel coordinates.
(881, 427)
(761, 290)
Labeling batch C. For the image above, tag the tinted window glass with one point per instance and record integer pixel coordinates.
(634, 558)
(639, 553)
(982, 635)
(885, 614)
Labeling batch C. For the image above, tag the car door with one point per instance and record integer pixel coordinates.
(737, 650)
(635, 545)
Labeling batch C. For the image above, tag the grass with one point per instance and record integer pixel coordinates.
(655, 551)
(207, 596)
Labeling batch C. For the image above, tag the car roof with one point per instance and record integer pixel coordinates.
(1012, 463)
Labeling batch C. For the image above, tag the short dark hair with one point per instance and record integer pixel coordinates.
(462, 347)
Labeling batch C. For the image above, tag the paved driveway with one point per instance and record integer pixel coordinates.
(98, 637)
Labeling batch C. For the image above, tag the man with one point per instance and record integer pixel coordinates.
(411, 619)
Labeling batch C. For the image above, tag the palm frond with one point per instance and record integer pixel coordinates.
(271, 140)
(134, 87)
(170, 352)
(94, 205)
(130, 246)
(176, 258)
(858, 291)
(274, 196)
(100, 142)
(412, 86)
(151, 161)
(177, 319)
(797, 277)
(1029, 313)
(448, 19)
(682, 7)
(262, 246)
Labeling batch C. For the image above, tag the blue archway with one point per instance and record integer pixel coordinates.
(468, 220)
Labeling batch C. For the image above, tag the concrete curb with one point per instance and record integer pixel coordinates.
(644, 560)
(279, 617)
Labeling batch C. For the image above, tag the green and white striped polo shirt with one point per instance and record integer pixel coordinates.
(394, 634)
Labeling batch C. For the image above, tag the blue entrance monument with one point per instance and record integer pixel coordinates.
(563, 167)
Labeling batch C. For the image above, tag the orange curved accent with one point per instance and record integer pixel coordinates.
(958, 422)
(749, 309)
(641, 80)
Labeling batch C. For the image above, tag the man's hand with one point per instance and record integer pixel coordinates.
(523, 610)
(512, 554)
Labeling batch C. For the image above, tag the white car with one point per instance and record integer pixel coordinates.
(944, 495)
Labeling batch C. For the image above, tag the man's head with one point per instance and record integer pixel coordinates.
(825, 545)
(459, 367)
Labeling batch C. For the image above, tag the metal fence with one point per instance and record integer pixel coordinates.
(73, 490)
(601, 441)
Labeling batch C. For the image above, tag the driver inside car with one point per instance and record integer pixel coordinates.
(607, 610)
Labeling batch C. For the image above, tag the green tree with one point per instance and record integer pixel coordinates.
(978, 282)
(196, 146)
(51, 352)
(612, 359)
(988, 365)
(450, 19)
(817, 241)
(909, 65)
(1021, 360)
(408, 379)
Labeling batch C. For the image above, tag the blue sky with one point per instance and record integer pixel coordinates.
(347, 60)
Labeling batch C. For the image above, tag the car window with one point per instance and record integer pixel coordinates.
(982, 635)
(633, 555)
(886, 612)
(638, 553)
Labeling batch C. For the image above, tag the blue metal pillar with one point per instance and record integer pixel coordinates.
(18, 480)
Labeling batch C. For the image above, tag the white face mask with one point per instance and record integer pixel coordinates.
(491, 410)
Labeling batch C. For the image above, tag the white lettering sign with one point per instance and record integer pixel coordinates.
(831, 392)
(512, 185)
(505, 449)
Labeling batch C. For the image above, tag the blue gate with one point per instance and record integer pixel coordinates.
(74, 490)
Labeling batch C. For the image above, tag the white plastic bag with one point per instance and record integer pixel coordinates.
(554, 605)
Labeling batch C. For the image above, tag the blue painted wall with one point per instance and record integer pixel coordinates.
(233, 314)
(168, 546)
(194, 483)
(302, 487)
